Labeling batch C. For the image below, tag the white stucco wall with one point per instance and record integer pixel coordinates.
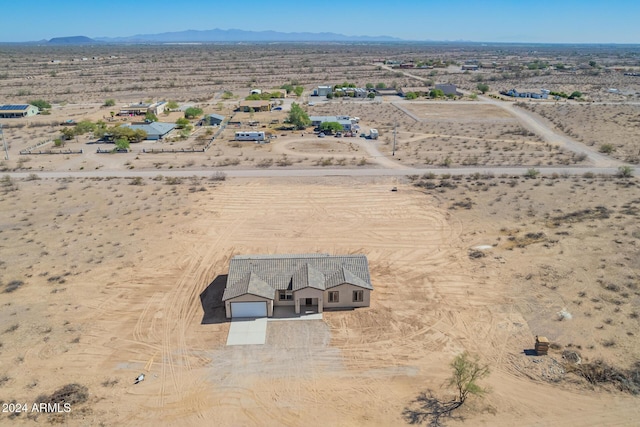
(346, 297)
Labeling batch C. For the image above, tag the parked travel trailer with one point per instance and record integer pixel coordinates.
(373, 134)
(250, 136)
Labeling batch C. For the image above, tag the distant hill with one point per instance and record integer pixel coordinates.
(73, 40)
(217, 35)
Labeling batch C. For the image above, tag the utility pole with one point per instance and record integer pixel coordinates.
(4, 143)
(395, 128)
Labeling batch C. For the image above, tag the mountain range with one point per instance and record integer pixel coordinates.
(234, 35)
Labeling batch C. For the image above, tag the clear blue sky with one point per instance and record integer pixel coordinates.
(543, 21)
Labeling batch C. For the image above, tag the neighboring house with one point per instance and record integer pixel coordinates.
(155, 130)
(142, 108)
(213, 119)
(470, 67)
(246, 106)
(544, 94)
(386, 92)
(12, 111)
(448, 89)
(257, 283)
(345, 121)
(353, 92)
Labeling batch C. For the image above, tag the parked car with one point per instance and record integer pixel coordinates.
(338, 134)
(321, 135)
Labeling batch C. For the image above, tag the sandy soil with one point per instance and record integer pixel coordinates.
(121, 279)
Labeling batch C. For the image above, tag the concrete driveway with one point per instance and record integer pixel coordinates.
(247, 331)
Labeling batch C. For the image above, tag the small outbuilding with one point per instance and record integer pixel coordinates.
(213, 119)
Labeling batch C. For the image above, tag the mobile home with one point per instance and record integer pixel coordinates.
(250, 136)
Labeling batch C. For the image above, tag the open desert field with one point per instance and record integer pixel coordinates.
(609, 128)
(105, 279)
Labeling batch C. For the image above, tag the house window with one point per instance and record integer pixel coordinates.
(286, 296)
(334, 296)
(358, 296)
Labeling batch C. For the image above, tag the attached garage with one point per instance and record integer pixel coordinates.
(248, 309)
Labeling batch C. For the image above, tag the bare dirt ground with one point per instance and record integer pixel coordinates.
(102, 279)
(603, 127)
(109, 281)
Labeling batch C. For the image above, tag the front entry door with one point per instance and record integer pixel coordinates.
(308, 301)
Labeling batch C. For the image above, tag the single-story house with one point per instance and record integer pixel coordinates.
(544, 94)
(448, 89)
(246, 106)
(257, 283)
(386, 92)
(213, 119)
(142, 108)
(345, 121)
(155, 130)
(470, 67)
(11, 111)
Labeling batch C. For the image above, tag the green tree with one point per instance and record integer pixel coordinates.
(330, 95)
(68, 133)
(483, 87)
(381, 86)
(172, 105)
(369, 86)
(40, 103)
(109, 102)
(298, 91)
(467, 371)
(289, 88)
(122, 144)
(371, 95)
(575, 95)
(84, 127)
(227, 95)
(436, 93)
(330, 127)
(411, 95)
(192, 112)
(298, 116)
(181, 123)
(151, 117)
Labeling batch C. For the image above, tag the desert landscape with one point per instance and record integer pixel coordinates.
(508, 220)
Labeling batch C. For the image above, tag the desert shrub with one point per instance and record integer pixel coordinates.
(607, 148)
(13, 285)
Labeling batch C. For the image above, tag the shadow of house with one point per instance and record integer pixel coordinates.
(211, 300)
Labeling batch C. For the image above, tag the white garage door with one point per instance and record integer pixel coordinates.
(248, 309)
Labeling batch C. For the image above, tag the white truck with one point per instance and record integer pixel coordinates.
(373, 134)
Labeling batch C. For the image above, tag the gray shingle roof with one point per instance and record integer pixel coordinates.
(295, 272)
(249, 283)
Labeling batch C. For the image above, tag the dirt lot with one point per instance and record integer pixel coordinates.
(107, 282)
(609, 128)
